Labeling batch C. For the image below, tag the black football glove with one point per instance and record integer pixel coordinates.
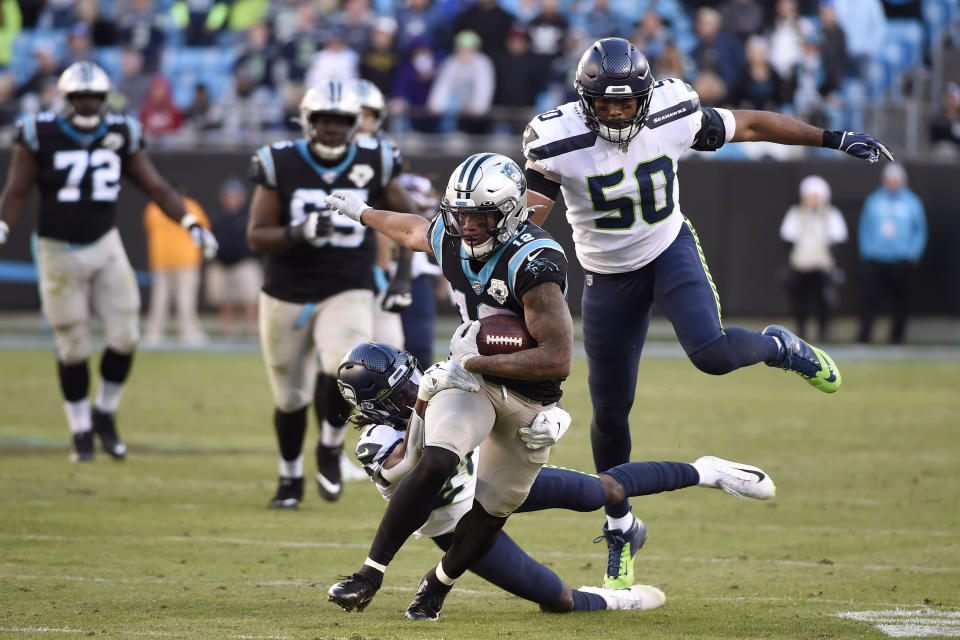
(859, 145)
(399, 295)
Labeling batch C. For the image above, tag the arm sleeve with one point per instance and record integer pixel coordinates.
(27, 132)
(540, 183)
(546, 265)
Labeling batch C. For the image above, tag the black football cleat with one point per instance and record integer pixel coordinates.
(82, 450)
(329, 478)
(427, 603)
(355, 592)
(289, 494)
(104, 425)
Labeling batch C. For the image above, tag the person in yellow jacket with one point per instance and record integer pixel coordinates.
(174, 272)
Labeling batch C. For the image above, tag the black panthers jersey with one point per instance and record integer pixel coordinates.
(481, 289)
(78, 172)
(315, 270)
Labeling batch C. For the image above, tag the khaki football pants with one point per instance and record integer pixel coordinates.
(459, 420)
(74, 278)
(294, 336)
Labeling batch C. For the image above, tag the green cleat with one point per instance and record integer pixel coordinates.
(622, 547)
(809, 362)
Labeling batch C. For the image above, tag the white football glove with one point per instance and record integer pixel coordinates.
(463, 345)
(347, 203)
(446, 375)
(202, 237)
(4, 232)
(546, 429)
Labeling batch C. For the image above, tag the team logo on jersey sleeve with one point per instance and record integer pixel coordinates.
(497, 290)
(360, 175)
(113, 141)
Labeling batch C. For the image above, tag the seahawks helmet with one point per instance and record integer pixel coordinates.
(84, 78)
(329, 98)
(614, 68)
(381, 382)
(485, 183)
(371, 98)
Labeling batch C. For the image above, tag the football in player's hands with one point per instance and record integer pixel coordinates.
(503, 333)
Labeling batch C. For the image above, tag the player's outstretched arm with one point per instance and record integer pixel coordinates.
(20, 178)
(548, 320)
(767, 126)
(542, 191)
(406, 229)
(143, 172)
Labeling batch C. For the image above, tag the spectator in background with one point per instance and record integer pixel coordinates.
(258, 59)
(742, 18)
(786, 38)
(133, 86)
(200, 20)
(159, 116)
(760, 87)
(711, 88)
(234, 278)
(945, 128)
(411, 88)
(79, 45)
(379, 61)
(672, 62)
(250, 109)
(651, 35)
(463, 89)
(11, 21)
(334, 62)
(717, 51)
(871, 29)
(202, 114)
(892, 235)
(139, 30)
(9, 105)
(60, 13)
(43, 79)
(833, 46)
(174, 271)
(548, 33)
(487, 20)
(811, 85)
(599, 20)
(420, 21)
(519, 80)
(103, 28)
(812, 227)
(356, 22)
(301, 45)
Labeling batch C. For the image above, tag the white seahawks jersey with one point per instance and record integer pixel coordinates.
(453, 501)
(623, 204)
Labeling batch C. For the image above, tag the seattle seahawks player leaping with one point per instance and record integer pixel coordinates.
(76, 159)
(613, 154)
(390, 395)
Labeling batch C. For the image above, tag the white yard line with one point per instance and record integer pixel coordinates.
(923, 622)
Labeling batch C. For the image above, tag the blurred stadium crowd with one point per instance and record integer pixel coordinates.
(231, 73)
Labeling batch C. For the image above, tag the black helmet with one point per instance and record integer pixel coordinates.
(614, 68)
(381, 382)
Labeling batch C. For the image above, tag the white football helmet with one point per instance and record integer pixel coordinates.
(485, 183)
(332, 97)
(86, 78)
(370, 98)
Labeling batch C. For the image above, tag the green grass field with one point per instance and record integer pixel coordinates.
(176, 541)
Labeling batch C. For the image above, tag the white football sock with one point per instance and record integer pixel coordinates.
(442, 575)
(708, 475)
(382, 568)
(291, 468)
(78, 415)
(108, 396)
(620, 524)
(331, 436)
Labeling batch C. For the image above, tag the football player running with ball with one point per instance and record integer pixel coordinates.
(390, 395)
(496, 262)
(318, 286)
(76, 159)
(613, 154)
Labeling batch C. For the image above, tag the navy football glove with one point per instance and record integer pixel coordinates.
(859, 145)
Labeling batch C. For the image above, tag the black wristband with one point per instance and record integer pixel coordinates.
(832, 139)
